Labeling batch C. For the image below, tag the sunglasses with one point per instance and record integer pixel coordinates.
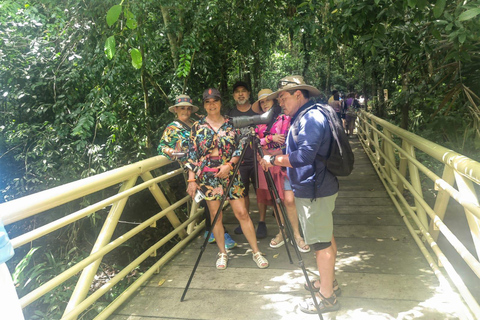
(283, 83)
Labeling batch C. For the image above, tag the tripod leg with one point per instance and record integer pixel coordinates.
(276, 213)
(205, 242)
(301, 263)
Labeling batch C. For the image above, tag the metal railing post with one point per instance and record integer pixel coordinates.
(465, 187)
(391, 156)
(86, 278)
(416, 183)
(441, 203)
(163, 203)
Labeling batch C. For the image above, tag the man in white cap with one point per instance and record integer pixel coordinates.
(314, 187)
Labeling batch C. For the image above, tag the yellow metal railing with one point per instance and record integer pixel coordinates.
(40, 202)
(393, 151)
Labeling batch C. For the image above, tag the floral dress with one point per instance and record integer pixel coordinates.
(203, 140)
(280, 126)
(175, 136)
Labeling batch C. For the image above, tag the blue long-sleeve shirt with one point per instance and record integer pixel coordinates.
(313, 138)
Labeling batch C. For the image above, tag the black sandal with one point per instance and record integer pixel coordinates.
(336, 288)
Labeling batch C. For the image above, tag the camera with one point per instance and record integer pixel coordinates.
(245, 121)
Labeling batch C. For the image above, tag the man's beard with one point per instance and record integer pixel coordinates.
(242, 101)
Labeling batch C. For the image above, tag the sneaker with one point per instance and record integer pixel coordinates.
(229, 242)
(324, 304)
(238, 230)
(261, 230)
(211, 239)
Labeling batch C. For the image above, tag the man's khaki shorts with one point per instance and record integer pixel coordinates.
(316, 218)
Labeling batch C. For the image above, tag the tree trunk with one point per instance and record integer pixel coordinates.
(172, 37)
(406, 104)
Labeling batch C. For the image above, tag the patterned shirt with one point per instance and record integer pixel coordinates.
(204, 139)
(175, 136)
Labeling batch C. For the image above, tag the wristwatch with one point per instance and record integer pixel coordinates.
(272, 160)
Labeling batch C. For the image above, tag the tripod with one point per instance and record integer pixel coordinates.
(277, 203)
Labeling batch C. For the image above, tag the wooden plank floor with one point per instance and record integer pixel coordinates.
(381, 271)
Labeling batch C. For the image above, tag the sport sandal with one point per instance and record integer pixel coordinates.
(324, 304)
(336, 288)
(301, 245)
(222, 261)
(277, 242)
(260, 260)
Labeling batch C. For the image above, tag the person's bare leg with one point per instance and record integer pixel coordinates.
(218, 231)
(247, 203)
(292, 212)
(326, 269)
(262, 211)
(241, 213)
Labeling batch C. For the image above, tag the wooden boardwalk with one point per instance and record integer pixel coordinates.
(381, 271)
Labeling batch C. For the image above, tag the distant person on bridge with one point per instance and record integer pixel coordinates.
(214, 152)
(335, 102)
(241, 95)
(315, 188)
(351, 108)
(272, 140)
(175, 139)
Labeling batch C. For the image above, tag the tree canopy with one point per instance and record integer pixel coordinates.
(85, 85)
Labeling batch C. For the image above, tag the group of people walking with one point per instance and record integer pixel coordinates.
(346, 109)
(210, 149)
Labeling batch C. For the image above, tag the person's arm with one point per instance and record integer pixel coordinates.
(168, 142)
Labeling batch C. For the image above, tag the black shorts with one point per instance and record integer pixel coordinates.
(247, 176)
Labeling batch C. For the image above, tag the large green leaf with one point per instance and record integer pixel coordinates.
(469, 14)
(110, 47)
(113, 14)
(136, 58)
(438, 9)
(131, 19)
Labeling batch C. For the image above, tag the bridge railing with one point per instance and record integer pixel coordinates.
(393, 152)
(127, 176)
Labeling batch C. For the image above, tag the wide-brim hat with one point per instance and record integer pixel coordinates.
(262, 94)
(294, 83)
(183, 100)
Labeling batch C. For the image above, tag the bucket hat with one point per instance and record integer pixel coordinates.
(183, 100)
(262, 94)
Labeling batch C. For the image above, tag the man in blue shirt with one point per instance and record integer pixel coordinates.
(315, 188)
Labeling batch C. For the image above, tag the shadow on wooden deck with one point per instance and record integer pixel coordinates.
(381, 271)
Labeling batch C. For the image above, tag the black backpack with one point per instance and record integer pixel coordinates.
(341, 158)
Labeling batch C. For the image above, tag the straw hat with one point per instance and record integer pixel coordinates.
(293, 83)
(183, 100)
(262, 94)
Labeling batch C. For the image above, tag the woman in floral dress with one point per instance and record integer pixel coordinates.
(214, 152)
